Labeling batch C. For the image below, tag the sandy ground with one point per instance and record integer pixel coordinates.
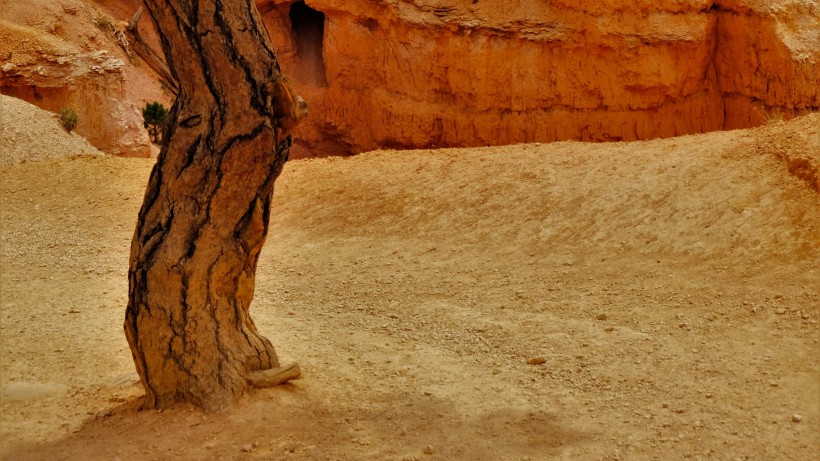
(653, 300)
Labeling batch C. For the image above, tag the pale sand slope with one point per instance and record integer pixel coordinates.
(28, 133)
(670, 286)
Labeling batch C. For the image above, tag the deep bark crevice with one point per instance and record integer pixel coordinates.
(246, 66)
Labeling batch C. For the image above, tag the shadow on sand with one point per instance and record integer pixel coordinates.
(290, 422)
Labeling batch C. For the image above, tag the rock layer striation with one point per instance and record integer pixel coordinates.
(424, 73)
(441, 73)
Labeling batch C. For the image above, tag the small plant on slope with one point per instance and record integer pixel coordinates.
(103, 23)
(774, 115)
(69, 118)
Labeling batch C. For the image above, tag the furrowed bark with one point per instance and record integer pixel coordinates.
(206, 209)
(148, 55)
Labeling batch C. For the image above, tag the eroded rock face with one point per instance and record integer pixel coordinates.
(38, 65)
(768, 59)
(423, 73)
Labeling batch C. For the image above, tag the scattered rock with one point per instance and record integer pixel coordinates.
(428, 450)
(537, 361)
(247, 448)
(601, 317)
(797, 418)
(780, 311)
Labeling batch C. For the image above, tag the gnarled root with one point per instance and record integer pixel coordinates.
(275, 376)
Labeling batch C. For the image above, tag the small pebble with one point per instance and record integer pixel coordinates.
(797, 418)
(247, 448)
(780, 311)
(537, 361)
(428, 450)
(601, 317)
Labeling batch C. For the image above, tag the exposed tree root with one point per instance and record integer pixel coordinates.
(275, 376)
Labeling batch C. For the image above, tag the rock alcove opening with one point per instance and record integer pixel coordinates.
(308, 29)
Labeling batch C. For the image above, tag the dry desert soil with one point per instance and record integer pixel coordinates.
(636, 301)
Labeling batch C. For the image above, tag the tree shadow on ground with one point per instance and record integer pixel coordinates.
(294, 423)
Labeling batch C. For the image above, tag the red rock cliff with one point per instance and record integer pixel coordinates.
(418, 73)
(60, 53)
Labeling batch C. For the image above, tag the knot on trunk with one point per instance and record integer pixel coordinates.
(285, 107)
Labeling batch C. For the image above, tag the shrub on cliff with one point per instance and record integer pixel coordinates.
(774, 115)
(103, 23)
(153, 118)
(68, 118)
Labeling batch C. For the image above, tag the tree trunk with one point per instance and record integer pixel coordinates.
(205, 213)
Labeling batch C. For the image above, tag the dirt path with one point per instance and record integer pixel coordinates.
(670, 288)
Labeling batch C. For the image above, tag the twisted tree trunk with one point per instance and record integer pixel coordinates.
(205, 213)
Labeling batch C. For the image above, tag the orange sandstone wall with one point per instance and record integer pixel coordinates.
(437, 73)
(768, 59)
(56, 54)
(43, 71)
